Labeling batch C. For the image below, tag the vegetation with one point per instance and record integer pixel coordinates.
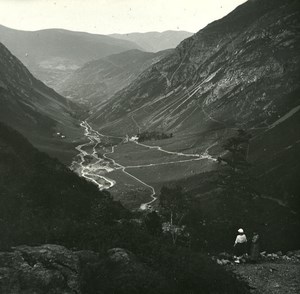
(153, 135)
(232, 200)
(174, 206)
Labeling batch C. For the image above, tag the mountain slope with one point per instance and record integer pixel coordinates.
(155, 41)
(239, 72)
(35, 110)
(44, 202)
(98, 80)
(37, 191)
(223, 63)
(51, 55)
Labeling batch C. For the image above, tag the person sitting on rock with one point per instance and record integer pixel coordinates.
(240, 245)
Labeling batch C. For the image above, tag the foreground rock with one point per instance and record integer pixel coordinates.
(42, 269)
(53, 269)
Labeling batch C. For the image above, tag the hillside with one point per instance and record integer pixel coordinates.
(39, 195)
(155, 41)
(53, 54)
(97, 80)
(241, 71)
(43, 203)
(35, 110)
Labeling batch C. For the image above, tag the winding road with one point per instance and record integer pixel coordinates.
(90, 166)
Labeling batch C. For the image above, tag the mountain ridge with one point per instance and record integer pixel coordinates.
(49, 120)
(155, 41)
(52, 54)
(97, 80)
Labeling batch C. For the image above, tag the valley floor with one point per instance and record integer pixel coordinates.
(116, 164)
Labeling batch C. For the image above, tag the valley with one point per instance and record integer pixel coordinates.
(128, 161)
(102, 158)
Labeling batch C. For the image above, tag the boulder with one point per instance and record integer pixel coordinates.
(223, 261)
(121, 256)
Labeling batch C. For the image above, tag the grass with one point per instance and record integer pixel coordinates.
(128, 191)
(163, 174)
(131, 154)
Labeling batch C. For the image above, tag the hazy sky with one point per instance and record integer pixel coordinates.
(113, 16)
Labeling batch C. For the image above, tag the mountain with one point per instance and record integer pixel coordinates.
(47, 119)
(240, 72)
(97, 80)
(155, 41)
(52, 54)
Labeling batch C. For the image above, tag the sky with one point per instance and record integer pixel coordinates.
(113, 16)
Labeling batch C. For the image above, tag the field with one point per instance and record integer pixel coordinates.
(131, 154)
(159, 175)
(152, 167)
(140, 170)
(128, 191)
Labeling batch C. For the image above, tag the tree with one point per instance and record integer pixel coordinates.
(235, 178)
(173, 205)
(153, 223)
(238, 148)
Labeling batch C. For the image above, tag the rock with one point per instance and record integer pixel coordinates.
(272, 256)
(41, 269)
(295, 253)
(223, 261)
(119, 255)
(279, 253)
(87, 256)
(290, 253)
(121, 272)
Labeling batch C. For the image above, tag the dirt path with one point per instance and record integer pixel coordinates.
(270, 277)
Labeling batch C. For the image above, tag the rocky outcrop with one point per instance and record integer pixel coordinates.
(42, 269)
(53, 269)
(121, 272)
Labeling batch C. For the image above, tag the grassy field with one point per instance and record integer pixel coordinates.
(157, 176)
(155, 167)
(131, 154)
(128, 191)
(161, 169)
(196, 142)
